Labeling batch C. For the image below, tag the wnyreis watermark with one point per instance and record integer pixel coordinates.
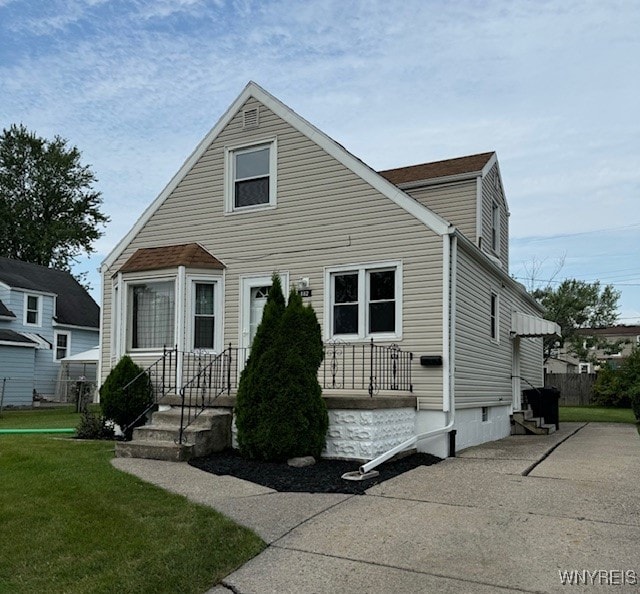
(599, 577)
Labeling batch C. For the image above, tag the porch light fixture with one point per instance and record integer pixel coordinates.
(302, 283)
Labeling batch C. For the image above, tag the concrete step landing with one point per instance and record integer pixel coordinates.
(210, 432)
(524, 423)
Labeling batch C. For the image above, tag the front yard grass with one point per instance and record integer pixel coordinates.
(59, 417)
(72, 523)
(594, 414)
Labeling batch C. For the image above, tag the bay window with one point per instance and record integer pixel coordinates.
(152, 321)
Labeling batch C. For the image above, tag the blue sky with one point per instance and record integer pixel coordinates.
(553, 87)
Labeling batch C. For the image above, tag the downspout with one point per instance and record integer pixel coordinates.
(450, 266)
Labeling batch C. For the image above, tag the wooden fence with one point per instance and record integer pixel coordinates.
(575, 388)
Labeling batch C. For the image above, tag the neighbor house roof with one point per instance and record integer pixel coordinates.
(611, 331)
(74, 306)
(11, 336)
(436, 169)
(4, 311)
(191, 255)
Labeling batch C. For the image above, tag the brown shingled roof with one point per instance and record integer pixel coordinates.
(192, 255)
(414, 173)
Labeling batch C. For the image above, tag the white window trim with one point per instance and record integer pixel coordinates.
(229, 174)
(57, 333)
(218, 310)
(495, 294)
(127, 311)
(363, 292)
(38, 324)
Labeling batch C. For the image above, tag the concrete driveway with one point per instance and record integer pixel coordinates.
(506, 516)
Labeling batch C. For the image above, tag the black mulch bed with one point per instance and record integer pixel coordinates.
(325, 476)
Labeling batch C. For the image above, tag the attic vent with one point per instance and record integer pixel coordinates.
(250, 118)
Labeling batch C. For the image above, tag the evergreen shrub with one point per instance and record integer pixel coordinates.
(289, 417)
(123, 408)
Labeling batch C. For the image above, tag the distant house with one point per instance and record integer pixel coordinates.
(407, 270)
(45, 316)
(626, 338)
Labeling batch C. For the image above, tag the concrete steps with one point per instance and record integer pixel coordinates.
(524, 423)
(209, 432)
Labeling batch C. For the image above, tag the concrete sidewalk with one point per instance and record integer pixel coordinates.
(469, 524)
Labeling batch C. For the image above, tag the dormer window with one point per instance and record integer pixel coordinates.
(251, 177)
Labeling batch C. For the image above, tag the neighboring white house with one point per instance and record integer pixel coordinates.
(45, 316)
(415, 257)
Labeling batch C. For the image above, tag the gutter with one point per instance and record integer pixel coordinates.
(450, 256)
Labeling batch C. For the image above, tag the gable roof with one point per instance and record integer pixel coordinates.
(435, 222)
(170, 256)
(5, 311)
(424, 171)
(74, 306)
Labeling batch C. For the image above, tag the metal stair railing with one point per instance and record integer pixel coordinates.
(213, 379)
(160, 378)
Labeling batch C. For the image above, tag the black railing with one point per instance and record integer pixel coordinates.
(160, 379)
(366, 366)
(212, 376)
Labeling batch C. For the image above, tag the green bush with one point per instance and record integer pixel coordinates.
(607, 389)
(288, 416)
(125, 407)
(255, 386)
(93, 426)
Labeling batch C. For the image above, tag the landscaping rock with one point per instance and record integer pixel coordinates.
(301, 462)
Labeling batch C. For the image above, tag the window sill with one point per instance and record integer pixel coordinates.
(246, 209)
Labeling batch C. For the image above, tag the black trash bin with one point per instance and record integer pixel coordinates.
(545, 403)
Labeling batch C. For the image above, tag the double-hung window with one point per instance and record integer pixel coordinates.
(32, 310)
(495, 227)
(204, 315)
(364, 301)
(61, 345)
(251, 177)
(152, 307)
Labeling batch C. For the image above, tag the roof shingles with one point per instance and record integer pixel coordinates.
(436, 169)
(191, 255)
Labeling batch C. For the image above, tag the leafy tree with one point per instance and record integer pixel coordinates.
(49, 211)
(620, 387)
(126, 407)
(576, 305)
(607, 389)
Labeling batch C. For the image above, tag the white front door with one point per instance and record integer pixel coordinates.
(253, 297)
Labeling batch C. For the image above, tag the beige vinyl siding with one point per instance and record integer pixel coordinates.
(492, 192)
(325, 216)
(455, 202)
(482, 366)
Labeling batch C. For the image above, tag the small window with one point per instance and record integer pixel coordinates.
(494, 317)
(61, 345)
(364, 302)
(485, 414)
(204, 316)
(32, 312)
(251, 177)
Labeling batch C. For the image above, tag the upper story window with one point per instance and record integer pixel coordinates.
(495, 227)
(152, 314)
(33, 310)
(251, 177)
(364, 301)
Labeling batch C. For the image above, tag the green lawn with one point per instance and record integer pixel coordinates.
(596, 414)
(40, 418)
(72, 523)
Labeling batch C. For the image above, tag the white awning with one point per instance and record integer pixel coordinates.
(527, 325)
(90, 356)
